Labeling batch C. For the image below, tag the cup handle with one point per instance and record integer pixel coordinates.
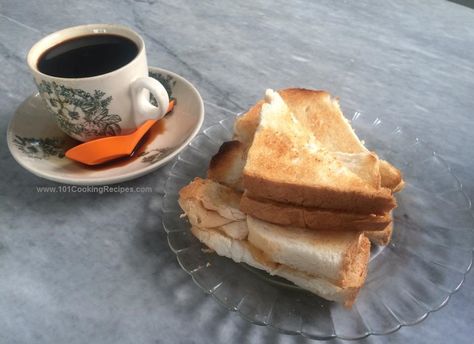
(143, 109)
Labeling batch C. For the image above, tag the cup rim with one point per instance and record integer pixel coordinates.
(55, 38)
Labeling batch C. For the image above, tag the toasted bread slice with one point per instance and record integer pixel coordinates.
(229, 236)
(340, 257)
(312, 218)
(212, 205)
(337, 256)
(286, 163)
(243, 252)
(321, 113)
(227, 165)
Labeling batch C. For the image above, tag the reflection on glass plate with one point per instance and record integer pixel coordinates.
(426, 262)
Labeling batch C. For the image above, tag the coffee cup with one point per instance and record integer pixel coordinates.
(94, 80)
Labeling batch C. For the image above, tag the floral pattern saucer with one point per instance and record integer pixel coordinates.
(37, 144)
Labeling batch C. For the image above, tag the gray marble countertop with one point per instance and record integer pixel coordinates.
(90, 268)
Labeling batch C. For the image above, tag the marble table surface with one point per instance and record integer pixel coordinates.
(90, 268)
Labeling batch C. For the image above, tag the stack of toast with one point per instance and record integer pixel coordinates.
(297, 194)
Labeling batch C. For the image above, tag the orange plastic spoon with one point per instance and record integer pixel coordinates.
(109, 148)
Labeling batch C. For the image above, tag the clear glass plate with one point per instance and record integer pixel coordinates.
(426, 261)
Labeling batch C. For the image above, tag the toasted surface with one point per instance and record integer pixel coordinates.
(244, 252)
(312, 218)
(321, 113)
(227, 165)
(365, 165)
(341, 257)
(286, 163)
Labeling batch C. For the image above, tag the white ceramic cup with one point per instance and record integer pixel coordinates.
(114, 103)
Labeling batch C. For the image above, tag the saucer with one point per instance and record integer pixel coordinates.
(39, 145)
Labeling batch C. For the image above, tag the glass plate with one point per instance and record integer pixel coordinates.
(426, 261)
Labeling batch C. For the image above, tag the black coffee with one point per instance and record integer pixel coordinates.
(87, 56)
